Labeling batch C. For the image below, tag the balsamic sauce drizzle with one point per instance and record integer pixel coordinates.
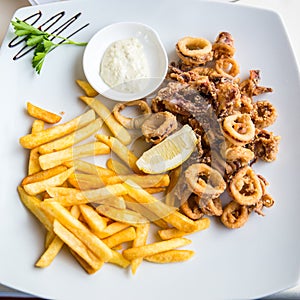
(48, 24)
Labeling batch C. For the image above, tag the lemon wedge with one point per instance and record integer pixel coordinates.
(170, 153)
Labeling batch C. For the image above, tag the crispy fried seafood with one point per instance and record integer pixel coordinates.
(194, 50)
(203, 90)
(158, 126)
(132, 123)
(155, 127)
(204, 181)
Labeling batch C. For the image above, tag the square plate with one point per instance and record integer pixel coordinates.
(259, 259)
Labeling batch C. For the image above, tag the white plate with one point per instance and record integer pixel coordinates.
(259, 259)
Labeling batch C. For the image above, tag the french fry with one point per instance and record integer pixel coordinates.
(42, 114)
(140, 240)
(115, 127)
(103, 195)
(118, 259)
(33, 161)
(87, 88)
(34, 206)
(167, 213)
(49, 237)
(55, 191)
(119, 247)
(170, 256)
(109, 191)
(120, 237)
(155, 190)
(91, 241)
(174, 176)
(112, 229)
(51, 252)
(89, 168)
(41, 186)
(85, 181)
(154, 248)
(144, 181)
(170, 233)
(90, 270)
(121, 215)
(53, 244)
(77, 245)
(72, 199)
(92, 218)
(117, 167)
(36, 139)
(72, 138)
(180, 221)
(144, 211)
(53, 159)
(90, 181)
(114, 201)
(121, 150)
(42, 175)
(75, 211)
(37, 126)
(150, 202)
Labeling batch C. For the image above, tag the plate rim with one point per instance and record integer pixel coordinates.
(216, 2)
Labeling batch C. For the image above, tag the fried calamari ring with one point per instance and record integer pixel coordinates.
(191, 208)
(132, 123)
(264, 114)
(239, 153)
(223, 47)
(204, 181)
(227, 67)
(194, 50)
(234, 215)
(245, 187)
(158, 126)
(238, 129)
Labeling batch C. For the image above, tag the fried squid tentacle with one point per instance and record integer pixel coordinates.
(132, 123)
(223, 47)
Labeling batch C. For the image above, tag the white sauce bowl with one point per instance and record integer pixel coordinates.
(154, 51)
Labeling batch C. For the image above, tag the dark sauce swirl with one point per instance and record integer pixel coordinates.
(46, 26)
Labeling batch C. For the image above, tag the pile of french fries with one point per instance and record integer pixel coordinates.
(103, 214)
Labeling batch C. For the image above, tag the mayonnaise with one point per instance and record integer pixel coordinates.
(124, 66)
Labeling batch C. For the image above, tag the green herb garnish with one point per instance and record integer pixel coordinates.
(40, 40)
